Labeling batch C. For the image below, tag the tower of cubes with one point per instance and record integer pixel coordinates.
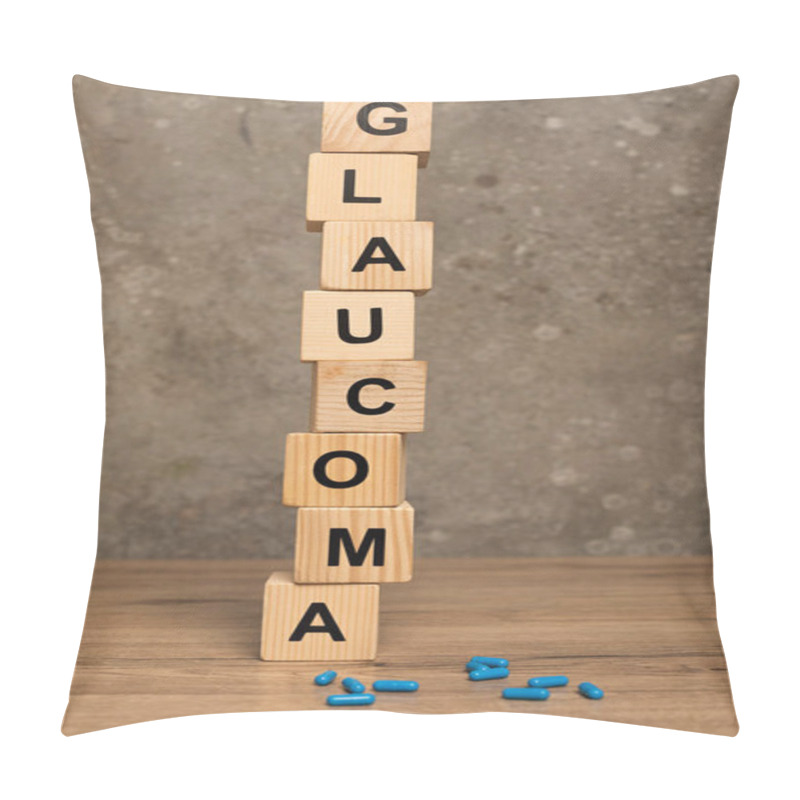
(346, 476)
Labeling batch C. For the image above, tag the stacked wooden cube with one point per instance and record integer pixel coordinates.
(347, 476)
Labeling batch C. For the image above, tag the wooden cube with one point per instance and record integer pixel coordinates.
(357, 326)
(387, 256)
(318, 623)
(344, 469)
(354, 545)
(377, 128)
(344, 186)
(368, 396)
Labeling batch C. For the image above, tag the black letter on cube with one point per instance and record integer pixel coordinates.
(349, 195)
(320, 465)
(400, 124)
(340, 538)
(355, 403)
(328, 626)
(375, 326)
(389, 256)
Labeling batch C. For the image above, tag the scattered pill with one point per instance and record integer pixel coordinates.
(490, 661)
(353, 686)
(395, 686)
(471, 665)
(324, 678)
(526, 694)
(590, 690)
(351, 699)
(488, 674)
(549, 680)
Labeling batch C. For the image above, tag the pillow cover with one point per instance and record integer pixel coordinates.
(559, 485)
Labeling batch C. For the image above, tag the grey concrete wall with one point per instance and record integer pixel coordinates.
(565, 332)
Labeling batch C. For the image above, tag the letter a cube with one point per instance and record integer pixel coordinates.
(318, 623)
(382, 256)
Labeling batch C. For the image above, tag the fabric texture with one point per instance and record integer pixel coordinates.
(565, 335)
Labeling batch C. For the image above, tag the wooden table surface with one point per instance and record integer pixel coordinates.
(172, 638)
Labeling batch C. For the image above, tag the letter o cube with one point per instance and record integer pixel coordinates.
(344, 469)
(318, 623)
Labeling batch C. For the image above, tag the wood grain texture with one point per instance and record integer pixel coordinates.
(173, 638)
(353, 611)
(321, 339)
(342, 133)
(313, 538)
(391, 178)
(405, 403)
(410, 245)
(383, 485)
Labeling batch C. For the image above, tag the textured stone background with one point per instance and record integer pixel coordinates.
(565, 332)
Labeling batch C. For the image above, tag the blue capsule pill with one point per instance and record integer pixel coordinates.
(490, 661)
(526, 694)
(353, 686)
(549, 680)
(324, 678)
(590, 690)
(488, 674)
(395, 686)
(351, 699)
(472, 665)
